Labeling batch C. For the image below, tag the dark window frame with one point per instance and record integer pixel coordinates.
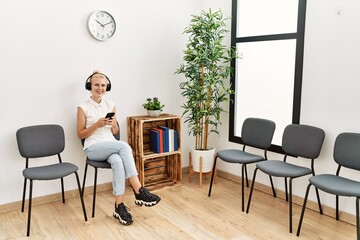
(299, 36)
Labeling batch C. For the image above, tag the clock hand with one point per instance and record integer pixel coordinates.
(108, 23)
(100, 23)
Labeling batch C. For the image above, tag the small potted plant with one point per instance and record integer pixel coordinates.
(153, 106)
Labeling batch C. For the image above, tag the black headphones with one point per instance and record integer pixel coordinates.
(88, 82)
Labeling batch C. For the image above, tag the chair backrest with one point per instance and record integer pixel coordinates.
(303, 140)
(40, 140)
(347, 150)
(117, 136)
(257, 132)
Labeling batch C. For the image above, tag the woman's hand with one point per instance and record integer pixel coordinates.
(114, 125)
(102, 122)
(111, 122)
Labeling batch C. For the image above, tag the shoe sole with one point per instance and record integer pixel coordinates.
(123, 222)
(147, 204)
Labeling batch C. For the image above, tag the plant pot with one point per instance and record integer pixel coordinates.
(153, 113)
(207, 159)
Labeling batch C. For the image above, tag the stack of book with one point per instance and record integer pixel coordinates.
(163, 139)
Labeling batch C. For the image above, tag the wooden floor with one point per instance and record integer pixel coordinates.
(185, 212)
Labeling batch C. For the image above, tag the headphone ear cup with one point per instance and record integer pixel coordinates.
(108, 86)
(88, 86)
(88, 83)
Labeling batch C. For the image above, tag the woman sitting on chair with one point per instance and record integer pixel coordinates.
(100, 143)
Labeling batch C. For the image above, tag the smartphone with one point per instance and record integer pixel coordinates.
(110, 115)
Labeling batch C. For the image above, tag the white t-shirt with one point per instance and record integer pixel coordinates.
(93, 111)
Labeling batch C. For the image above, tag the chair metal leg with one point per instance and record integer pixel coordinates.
(303, 209)
(62, 190)
(318, 199)
(94, 194)
(286, 190)
(212, 176)
(243, 170)
(290, 205)
(81, 197)
(29, 210)
(272, 186)
(251, 190)
(247, 179)
(337, 207)
(357, 219)
(23, 198)
(84, 180)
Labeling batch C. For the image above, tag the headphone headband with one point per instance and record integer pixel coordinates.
(88, 81)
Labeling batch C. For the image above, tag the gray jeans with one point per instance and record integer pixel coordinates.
(119, 155)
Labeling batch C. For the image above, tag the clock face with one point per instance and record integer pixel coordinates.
(101, 25)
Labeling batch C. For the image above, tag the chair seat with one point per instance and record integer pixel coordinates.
(278, 168)
(238, 156)
(336, 185)
(98, 164)
(50, 172)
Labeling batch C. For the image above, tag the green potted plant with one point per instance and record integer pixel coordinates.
(153, 106)
(206, 68)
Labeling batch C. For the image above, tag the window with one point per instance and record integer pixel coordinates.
(267, 81)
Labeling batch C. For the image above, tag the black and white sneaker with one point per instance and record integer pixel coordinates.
(121, 213)
(146, 198)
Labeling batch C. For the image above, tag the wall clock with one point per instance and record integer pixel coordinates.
(101, 25)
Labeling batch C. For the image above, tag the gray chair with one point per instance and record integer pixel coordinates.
(346, 154)
(44, 141)
(96, 165)
(255, 132)
(297, 141)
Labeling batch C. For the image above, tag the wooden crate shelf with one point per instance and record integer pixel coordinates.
(156, 170)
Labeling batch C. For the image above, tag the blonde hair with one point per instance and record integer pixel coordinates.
(97, 74)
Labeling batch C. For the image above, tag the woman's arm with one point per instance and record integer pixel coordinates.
(114, 126)
(82, 131)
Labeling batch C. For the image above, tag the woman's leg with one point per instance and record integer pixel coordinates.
(125, 152)
(119, 155)
(102, 151)
(135, 183)
(118, 181)
(121, 211)
(119, 199)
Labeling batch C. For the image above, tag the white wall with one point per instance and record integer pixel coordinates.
(47, 53)
(330, 91)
